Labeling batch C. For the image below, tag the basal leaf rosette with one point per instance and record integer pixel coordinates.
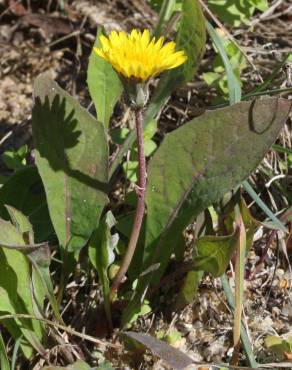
(137, 57)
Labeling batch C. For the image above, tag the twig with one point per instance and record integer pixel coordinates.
(278, 15)
(5, 11)
(139, 210)
(70, 331)
(72, 34)
(239, 282)
(267, 13)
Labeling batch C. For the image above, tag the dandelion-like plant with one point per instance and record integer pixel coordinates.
(137, 57)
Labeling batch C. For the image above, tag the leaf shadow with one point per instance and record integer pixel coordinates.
(56, 134)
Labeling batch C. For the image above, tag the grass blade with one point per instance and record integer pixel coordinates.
(271, 78)
(3, 355)
(233, 83)
(282, 149)
(248, 188)
(267, 92)
(164, 15)
(15, 352)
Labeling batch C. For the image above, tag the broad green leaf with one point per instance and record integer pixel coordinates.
(191, 37)
(72, 159)
(211, 77)
(101, 254)
(143, 310)
(173, 337)
(15, 284)
(4, 362)
(24, 191)
(278, 345)
(214, 253)
(104, 84)
(197, 164)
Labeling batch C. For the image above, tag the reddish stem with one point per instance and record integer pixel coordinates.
(141, 187)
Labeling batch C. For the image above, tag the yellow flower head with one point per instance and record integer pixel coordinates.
(137, 56)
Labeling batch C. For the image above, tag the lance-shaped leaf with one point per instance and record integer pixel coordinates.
(196, 165)
(104, 84)
(72, 159)
(202, 160)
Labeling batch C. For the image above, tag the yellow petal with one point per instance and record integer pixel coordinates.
(137, 55)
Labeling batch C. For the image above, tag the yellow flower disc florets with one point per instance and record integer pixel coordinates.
(137, 55)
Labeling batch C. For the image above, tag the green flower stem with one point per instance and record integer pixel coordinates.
(141, 187)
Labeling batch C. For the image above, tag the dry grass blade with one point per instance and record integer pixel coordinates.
(239, 281)
(68, 330)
